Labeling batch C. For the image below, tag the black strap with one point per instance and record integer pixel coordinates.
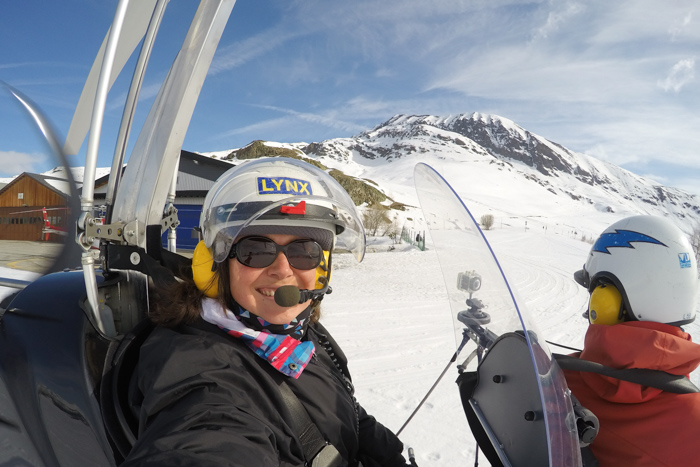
(163, 271)
(677, 384)
(316, 449)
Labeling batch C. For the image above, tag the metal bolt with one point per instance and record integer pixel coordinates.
(135, 258)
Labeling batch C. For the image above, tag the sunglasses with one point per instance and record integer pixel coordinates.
(260, 252)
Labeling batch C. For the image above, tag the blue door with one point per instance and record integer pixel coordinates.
(187, 238)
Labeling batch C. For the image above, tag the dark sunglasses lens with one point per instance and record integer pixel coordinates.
(256, 252)
(304, 254)
(260, 252)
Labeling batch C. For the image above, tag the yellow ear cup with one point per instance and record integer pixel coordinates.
(605, 305)
(204, 278)
(323, 271)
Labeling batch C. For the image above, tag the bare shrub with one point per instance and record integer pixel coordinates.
(374, 218)
(587, 239)
(487, 221)
(393, 230)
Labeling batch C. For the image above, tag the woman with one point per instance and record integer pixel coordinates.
(211, 385)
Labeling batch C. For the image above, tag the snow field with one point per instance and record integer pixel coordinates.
(392, 318)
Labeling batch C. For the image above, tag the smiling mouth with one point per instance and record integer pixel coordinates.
(267, 292)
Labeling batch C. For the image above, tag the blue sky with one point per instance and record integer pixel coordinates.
(616, 80)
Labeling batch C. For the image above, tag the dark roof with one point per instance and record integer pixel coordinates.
(196, 174)
(202, 166)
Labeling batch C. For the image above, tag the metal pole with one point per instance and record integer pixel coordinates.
(130, 106)
(86, 200)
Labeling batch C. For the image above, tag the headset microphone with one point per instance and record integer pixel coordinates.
(289, 295)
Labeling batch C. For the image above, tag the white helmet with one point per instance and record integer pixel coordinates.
(279, 195)
(650, 261)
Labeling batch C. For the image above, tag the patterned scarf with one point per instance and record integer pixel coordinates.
(285, 353)
(296, 328)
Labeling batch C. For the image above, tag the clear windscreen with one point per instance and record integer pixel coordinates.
(484, 306)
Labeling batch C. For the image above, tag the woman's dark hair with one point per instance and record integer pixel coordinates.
(181, 302)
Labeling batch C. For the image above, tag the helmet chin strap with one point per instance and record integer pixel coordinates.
(315, 294)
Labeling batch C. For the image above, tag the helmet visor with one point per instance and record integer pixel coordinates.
(273, 196)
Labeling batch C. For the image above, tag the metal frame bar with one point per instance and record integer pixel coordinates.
(155, 155)
(131, 100)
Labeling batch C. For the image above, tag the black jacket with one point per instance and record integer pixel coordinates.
(204, 398)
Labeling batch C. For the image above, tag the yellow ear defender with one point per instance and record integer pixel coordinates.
(205, 279)
(605, 305)
(323, 272)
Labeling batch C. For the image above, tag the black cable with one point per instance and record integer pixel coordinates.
(563, 346)
(430, 391)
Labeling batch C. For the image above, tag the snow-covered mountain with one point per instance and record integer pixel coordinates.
(503, 169)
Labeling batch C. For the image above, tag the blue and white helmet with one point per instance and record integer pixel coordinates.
(652, 264)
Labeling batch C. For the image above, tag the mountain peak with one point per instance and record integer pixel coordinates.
(499, 136)
(478, 138)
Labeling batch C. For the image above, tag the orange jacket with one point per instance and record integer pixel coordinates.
(639, 425)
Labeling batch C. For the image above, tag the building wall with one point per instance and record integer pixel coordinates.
(27, 223)
(28, 192)
(20, 225)
(21, 204)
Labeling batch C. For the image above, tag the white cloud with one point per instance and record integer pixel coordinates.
(557, 18)
(38, 64)
(677, 31)
(318, 119)
(658, 141)
(239, 53)
(691, 185)
(14, 163)
(5, 66)
(681, 74)
(538, 73)
(264, 127)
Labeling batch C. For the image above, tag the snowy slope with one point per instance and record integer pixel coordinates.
(391, 315)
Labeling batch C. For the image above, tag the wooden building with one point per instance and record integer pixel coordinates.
(23, 202)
